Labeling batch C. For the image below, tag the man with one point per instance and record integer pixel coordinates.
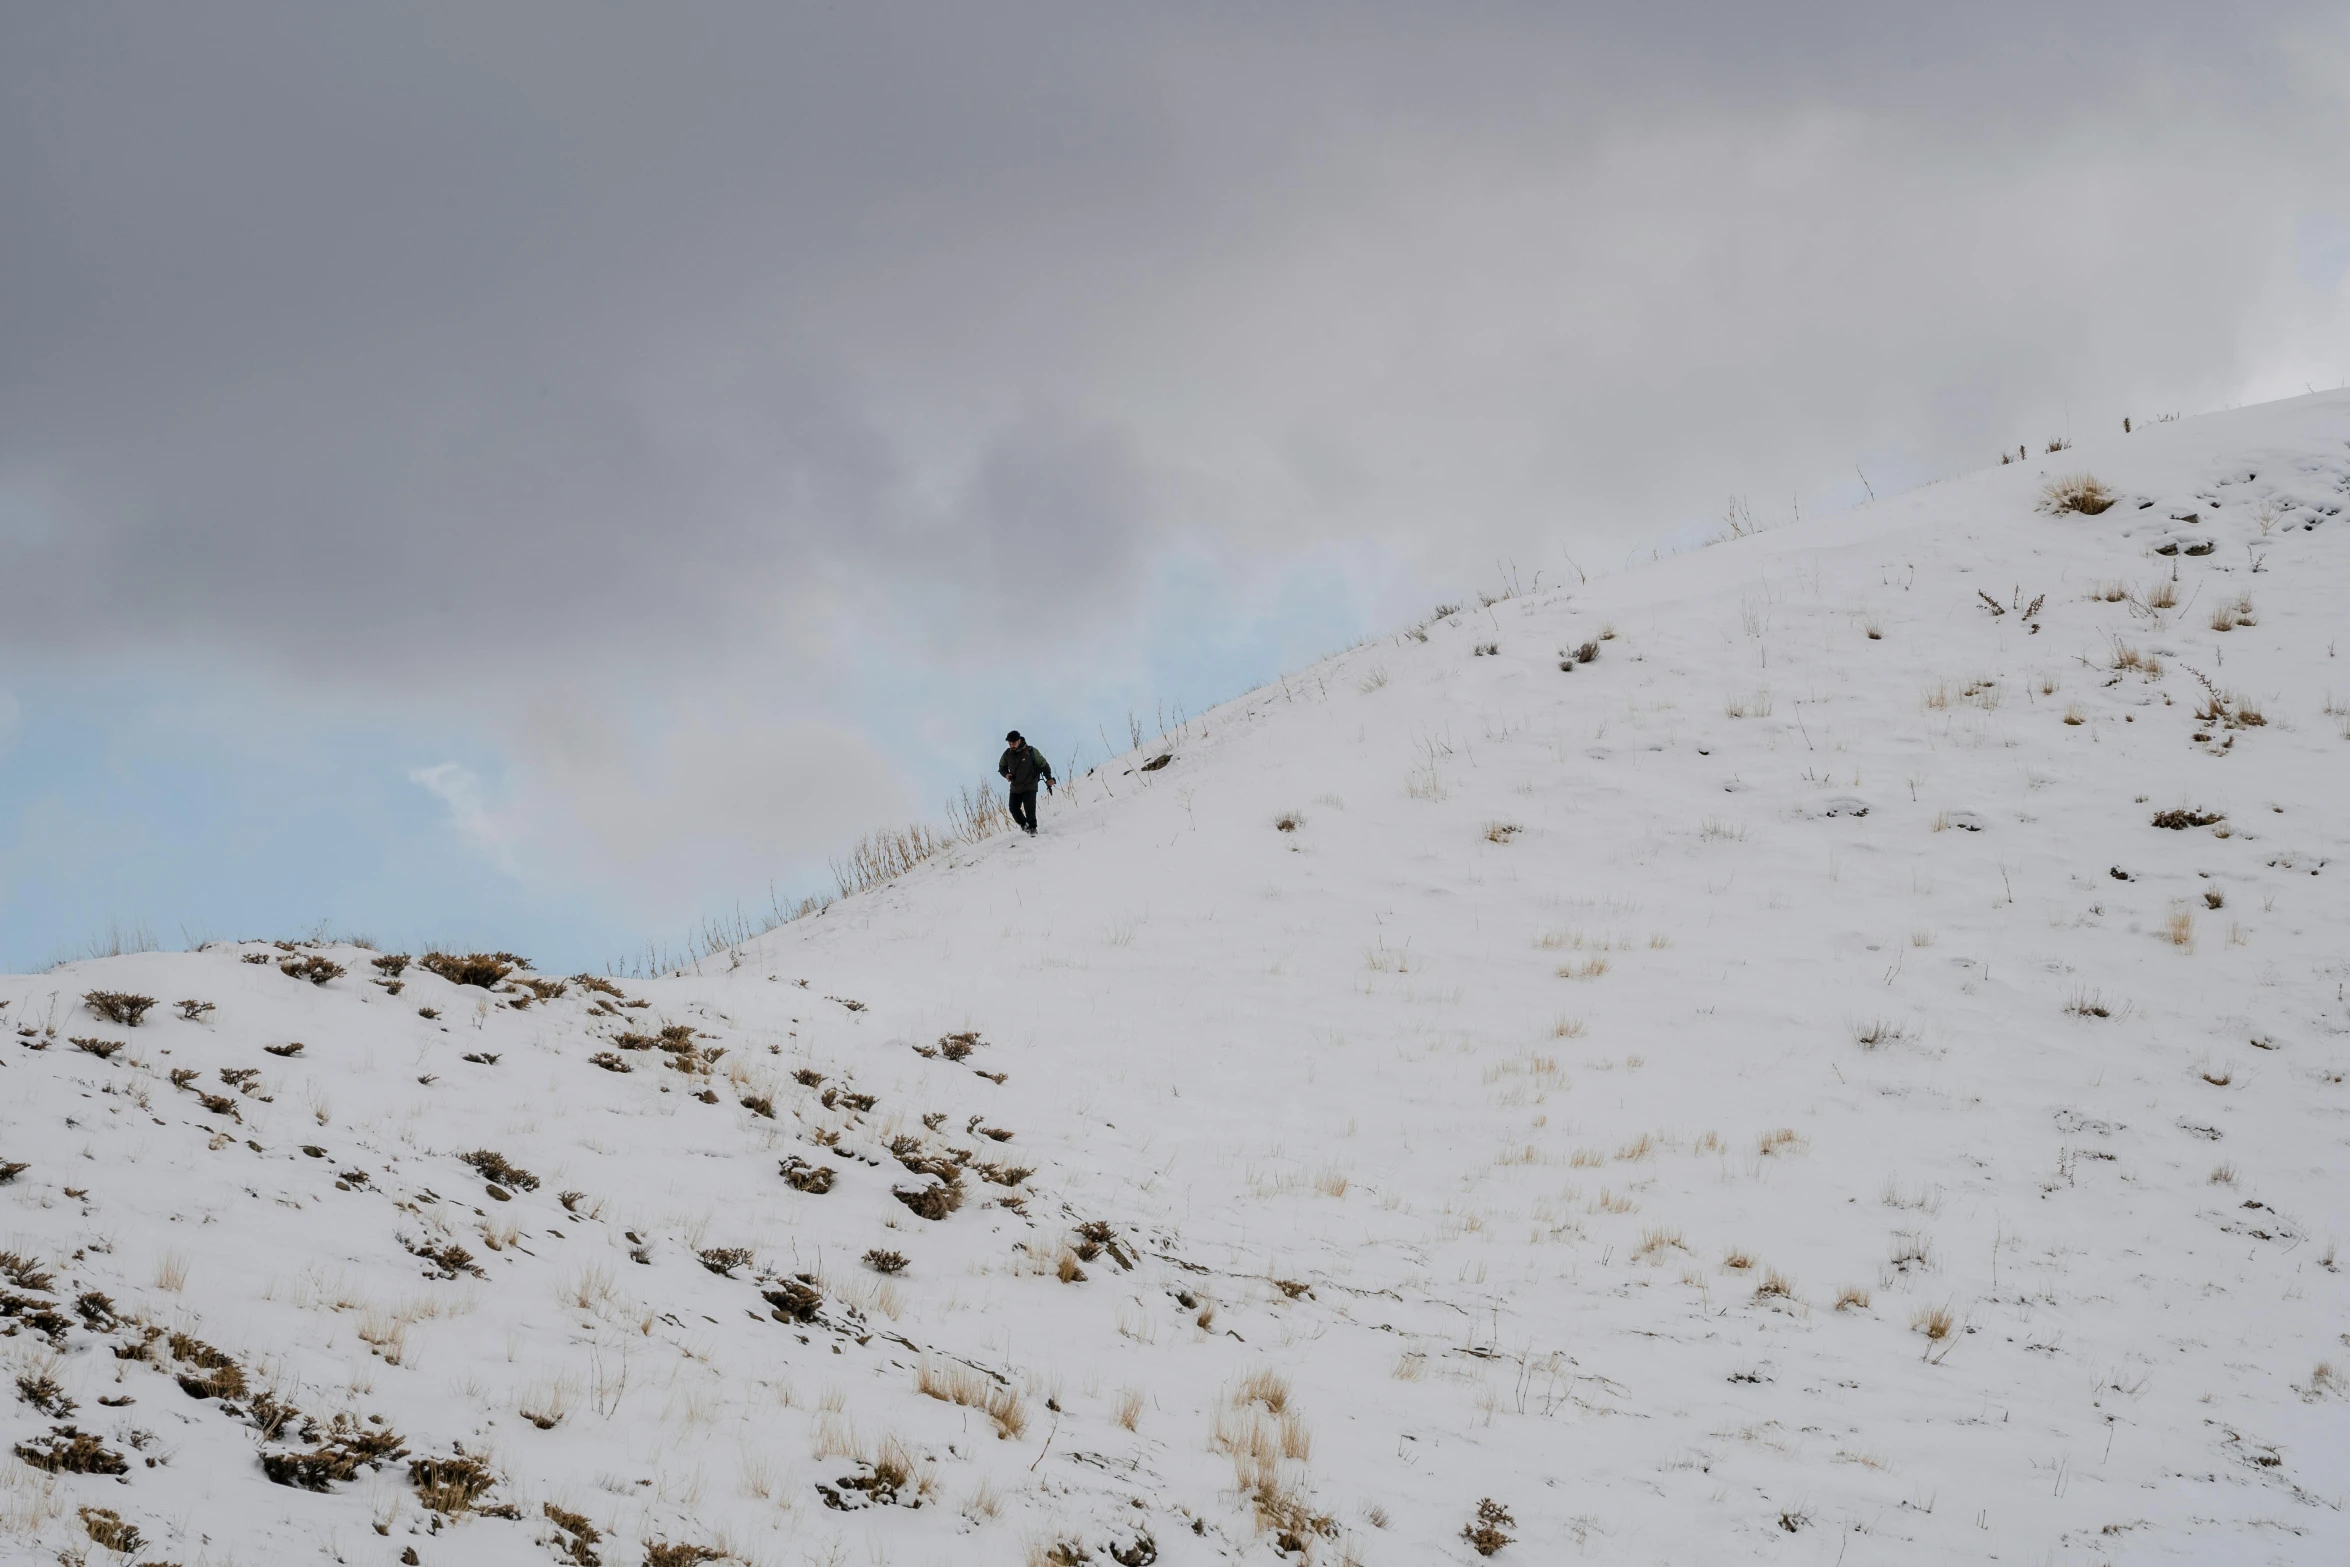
(1022, 765)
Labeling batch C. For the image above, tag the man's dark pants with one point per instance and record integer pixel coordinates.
(1024, 808)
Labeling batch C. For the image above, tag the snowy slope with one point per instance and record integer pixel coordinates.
(1509, 1128)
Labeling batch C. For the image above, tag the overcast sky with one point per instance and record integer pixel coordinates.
(535, 472)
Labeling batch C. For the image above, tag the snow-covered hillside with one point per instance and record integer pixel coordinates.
(1846, 1067)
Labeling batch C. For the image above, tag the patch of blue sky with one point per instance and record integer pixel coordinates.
(197, 805)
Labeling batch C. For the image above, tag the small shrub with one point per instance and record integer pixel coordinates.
(1288, 821)
(610, 1061)
(885, 1261)
(492, 1166)
(662, 1554)
(1501, 832)
(118, 1006)
(1587, 653)
(103, 1049)
(579, 1549)
(106, 1528)
(194, 1011)
(448, 1257)
(350, 1446)
(484, 969)
(65, 1450)
(814, 1179)
(2074, 492)
(26, 1273)
(391, 965)
(288, 1050)
(42, 1391)
(808, 1077)
(795, 1299)
(759, 1105)
(1488, 1532)
(1485, 650)
(930, 1202)
(723, 1260)
(318, 970)
(221, 1376)
(451, 1486)
(2181, 820)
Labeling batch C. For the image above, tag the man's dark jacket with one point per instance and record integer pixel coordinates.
(1022, 766)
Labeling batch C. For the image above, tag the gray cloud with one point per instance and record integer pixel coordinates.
(569, 339)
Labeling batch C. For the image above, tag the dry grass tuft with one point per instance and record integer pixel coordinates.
(2075, 492)
(1656, 1240)
(1935, 1322)
(1852, 1298)
(952, 1382)
(2237, 611)
(2181, 930)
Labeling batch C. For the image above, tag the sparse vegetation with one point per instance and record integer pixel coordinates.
(881, 1261)
(482, 969)
(497, 1169)
(66, 1450)
(339, 1455)
(2085, 1003)
(2074, 492)
(311, 966)
(451, 1486)
(2233, 613)
(1488, 1532)
(953, 1382)
(105, 1527)
(576, 1539)
(802, 1176)
(118, 1006)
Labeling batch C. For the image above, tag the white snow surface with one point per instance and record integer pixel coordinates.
(1521, 1115)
